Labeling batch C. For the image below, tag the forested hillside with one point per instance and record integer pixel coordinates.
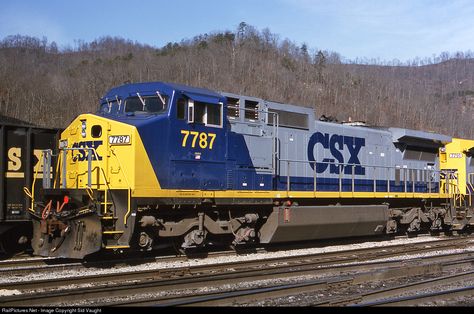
(49, 87)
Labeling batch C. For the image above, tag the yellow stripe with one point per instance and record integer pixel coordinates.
(15, 175)
(277, 194)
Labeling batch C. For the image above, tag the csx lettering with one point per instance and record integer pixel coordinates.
(336, 144)
(83, 153)
(201, 139)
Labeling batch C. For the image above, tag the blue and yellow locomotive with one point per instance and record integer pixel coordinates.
(165, 164)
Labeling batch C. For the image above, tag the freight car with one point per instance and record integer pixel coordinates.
(21, 145)
(167, 164)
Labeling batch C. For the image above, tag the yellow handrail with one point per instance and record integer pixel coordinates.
(57, 170)
(107, 187)
(127, 214)
(32, 193)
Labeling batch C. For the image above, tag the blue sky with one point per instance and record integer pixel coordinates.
(373, 29)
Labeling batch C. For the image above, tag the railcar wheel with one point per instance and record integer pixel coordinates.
(434, 233)
(412, 234)
(2, 246)
(14, 241)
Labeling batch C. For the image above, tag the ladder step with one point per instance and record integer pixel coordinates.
(106, 203)
(112, 232)
(108, 217)
(113, 247)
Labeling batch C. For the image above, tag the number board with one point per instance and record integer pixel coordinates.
(119, 139)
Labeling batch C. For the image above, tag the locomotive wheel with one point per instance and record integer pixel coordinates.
(176, 242)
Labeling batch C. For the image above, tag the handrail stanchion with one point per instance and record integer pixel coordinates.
(388, 181)
(353, 179)
(288, 176)
(46, 169)
(64, 170)
(375, 180)
(405, 172)
(314, 175)
(340, 179)
(429, 182)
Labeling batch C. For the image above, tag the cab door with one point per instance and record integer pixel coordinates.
(198, 161)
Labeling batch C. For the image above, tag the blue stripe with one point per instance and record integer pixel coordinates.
(360, 185)
(329, 184)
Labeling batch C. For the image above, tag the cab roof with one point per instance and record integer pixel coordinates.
(127, 90)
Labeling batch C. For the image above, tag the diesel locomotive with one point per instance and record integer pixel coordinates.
(164, 164)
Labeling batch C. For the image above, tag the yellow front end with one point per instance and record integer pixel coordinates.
(118, 157)
(102, 163)
(454, 157)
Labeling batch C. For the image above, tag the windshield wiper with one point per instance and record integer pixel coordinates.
(143, 102)
(161, 98)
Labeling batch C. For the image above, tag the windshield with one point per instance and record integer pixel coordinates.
(111, 106)
(146, 104)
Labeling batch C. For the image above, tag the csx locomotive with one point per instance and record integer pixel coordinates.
(166, 164)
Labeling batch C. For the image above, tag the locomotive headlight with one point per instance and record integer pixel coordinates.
(83, 132)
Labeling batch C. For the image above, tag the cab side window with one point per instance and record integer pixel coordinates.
(199, 112)
(181, 109)
(205, 113)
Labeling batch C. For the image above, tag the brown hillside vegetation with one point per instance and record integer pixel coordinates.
(48, 87)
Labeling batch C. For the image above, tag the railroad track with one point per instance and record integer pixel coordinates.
(396, 269)
(424, 298)
(24, 262)
(397, 295)
(127, 283)
(34, 265)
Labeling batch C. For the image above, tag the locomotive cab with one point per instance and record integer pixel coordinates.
(159, 141)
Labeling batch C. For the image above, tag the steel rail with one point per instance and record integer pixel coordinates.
(20, 262)
(226, 298)
(392, 295)
(311, 260)
(349, 255)
(153, 280)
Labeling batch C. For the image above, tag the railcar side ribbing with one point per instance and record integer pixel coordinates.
(20, 149)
